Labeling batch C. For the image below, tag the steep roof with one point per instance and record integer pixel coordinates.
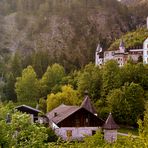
(121, 43)
(61, 112)
(110, 123)
(27, 109)
(88, 105)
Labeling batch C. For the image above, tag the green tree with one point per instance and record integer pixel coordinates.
(90, 79)
(68, 96)
(52, 78)
(27, 87)
(127, 103)
(9, 88)
(22, 133)
(111, 77)
(40, 62)
(16, 65)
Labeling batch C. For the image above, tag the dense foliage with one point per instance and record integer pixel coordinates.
(20, 131)
(122, 91)
(132, 39)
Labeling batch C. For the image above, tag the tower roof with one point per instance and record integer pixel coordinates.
(146, 40)
(99, 48)
(121, 43)
(88, 105)
(110, 124)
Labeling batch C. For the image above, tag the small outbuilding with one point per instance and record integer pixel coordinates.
(110, 129)
(34, 113)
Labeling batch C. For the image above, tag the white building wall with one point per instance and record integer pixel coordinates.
(110, 135)
(145, 51)
(97, 59)
(77, 133)
(147, 22)
(134, 54)
(108, 55)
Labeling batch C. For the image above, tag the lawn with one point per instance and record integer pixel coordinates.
(129, 131)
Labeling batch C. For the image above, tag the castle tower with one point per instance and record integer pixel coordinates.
(122, 47)
(145, 52)
(98, 56)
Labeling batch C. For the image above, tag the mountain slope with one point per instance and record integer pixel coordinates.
(68, 30)
(133, 39)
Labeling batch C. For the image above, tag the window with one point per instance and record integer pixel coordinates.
(69, 134)
(86, 120)
(113, 53)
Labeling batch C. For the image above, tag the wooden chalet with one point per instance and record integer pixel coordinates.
(73, 122)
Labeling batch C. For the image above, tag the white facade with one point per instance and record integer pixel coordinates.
(145, 51)
(110, 135)
(98, 58)
(75, 133)
(108, 55)
(122, 57)
(147, 22)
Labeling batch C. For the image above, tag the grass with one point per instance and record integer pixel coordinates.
(129, 131)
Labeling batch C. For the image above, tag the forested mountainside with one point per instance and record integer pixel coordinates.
(132, 39)
(68, 30)
(134, 2)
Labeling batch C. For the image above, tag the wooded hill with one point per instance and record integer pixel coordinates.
(68, 31)
(132, 39)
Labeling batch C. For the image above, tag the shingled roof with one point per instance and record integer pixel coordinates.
(88, 105)
(110, 123)
(27, 109)
(61, 112)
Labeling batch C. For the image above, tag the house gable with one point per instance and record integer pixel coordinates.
(81, 118)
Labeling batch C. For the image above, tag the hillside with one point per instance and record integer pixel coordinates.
(131, 39)
(134, 2)
(69, 31)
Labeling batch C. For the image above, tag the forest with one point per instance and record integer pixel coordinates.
(67, 30)
(122, 91)
(47, 52)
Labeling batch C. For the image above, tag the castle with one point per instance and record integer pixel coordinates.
(122, 54)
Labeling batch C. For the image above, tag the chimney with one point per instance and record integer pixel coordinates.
(55, 114)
